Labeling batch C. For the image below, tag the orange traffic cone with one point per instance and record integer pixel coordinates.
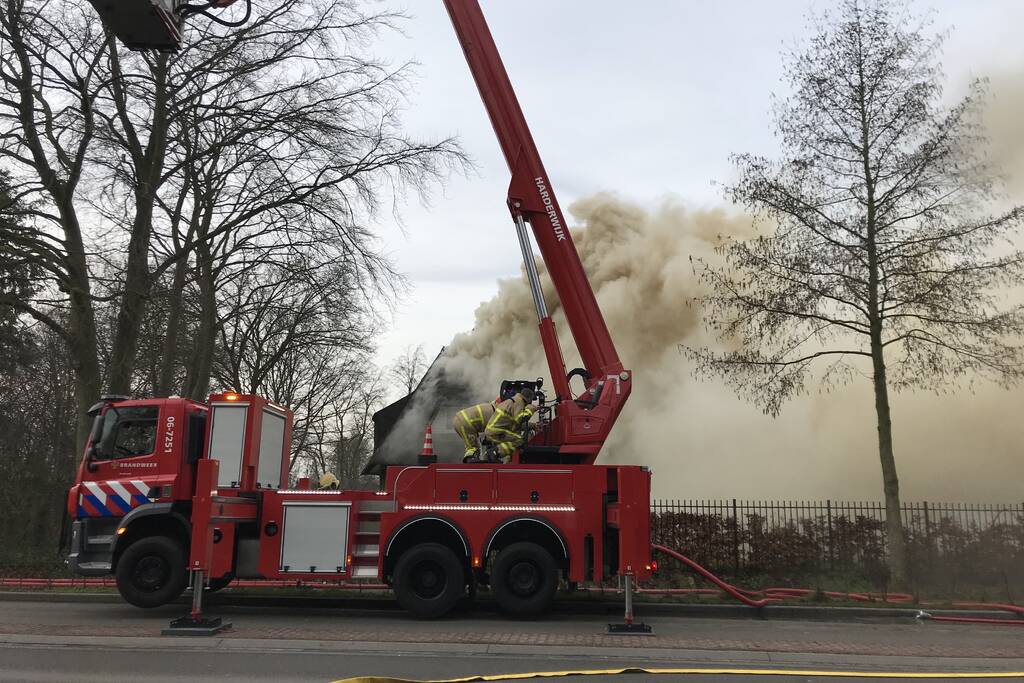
(427, 456)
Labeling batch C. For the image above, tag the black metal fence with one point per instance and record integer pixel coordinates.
(947, 543)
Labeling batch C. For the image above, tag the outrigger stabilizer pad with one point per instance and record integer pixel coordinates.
(194, 623)
(624, 629)
(195, 626)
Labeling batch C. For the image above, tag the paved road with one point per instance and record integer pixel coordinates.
(46, 641)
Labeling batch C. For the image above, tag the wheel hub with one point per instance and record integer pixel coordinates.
(524, 579)
(150, 573)
(429, 580)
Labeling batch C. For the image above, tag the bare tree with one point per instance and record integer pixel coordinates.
(408, 368)
(279, 138)
(52, 73)
(882, 260)
(135, 117)
(284, 136)
(273, 312)
(300, 335)
(355, 446)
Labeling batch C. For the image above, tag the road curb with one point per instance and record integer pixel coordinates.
(750, 658)
(610, 608)
(32, 596)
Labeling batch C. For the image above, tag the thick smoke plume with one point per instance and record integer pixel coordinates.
(700, 439)
(1005, 127)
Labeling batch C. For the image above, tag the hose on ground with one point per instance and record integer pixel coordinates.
(766, 596)
(728, 588)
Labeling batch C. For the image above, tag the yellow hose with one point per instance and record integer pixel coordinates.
(706, 671)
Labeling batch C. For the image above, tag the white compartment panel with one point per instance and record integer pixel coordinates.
(268, 473)
(315, 535)
(226, 440)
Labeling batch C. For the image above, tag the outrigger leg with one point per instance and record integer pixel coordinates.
(628, 627)
(201, 552)
(194, 623)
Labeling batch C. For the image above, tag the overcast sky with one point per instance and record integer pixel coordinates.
(646, 99)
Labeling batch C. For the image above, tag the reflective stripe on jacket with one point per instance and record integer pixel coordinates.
(475, 417)
(506, 425)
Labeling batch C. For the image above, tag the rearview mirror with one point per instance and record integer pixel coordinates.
(102, 429)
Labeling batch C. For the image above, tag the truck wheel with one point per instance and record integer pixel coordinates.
(524, 579)
(151, 572)
(429, 580)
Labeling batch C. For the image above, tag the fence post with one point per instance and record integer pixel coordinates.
(927, 531)
(735, 540)
(655, 536)
(831, 553)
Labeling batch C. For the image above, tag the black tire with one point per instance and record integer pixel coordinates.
(152, 572)
(524, 579)
(429, 580)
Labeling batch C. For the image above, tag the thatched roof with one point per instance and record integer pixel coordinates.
(398, 428)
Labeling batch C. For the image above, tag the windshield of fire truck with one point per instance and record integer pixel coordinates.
(126, 432)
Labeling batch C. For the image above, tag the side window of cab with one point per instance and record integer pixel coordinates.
(128, 432)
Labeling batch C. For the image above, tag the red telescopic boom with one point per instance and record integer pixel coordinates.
(580, 426)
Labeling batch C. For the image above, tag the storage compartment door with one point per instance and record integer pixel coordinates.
(227, 438)
(464, 486)
(314, 537)
(539, 486)
(268, 472)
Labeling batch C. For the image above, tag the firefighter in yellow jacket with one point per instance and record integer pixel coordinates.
(500, 422)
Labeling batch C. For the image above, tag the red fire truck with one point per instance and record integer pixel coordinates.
(171, 487)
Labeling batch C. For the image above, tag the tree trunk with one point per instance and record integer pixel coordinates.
(897, 546)
(137, 281)
(133, 306)
(81, 332)
(897, 551)
(169, 357)
(81, 337)
(197, 381)
(82, 350)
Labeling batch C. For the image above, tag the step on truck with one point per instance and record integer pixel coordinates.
(170, 487)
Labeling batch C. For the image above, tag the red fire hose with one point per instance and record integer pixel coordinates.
(238, 583)
(728, 588)
(768, 595)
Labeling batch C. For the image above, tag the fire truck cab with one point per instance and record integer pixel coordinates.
(169, 486)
